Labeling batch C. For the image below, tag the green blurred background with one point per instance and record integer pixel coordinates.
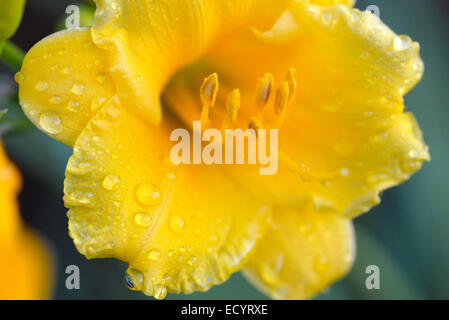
(407, 236)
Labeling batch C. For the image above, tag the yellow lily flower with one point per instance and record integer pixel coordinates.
(343, 135)
(24, 266)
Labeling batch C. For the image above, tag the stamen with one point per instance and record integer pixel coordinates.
(255, 123)
(263, 91)
(232, 109)
(292, 84)
(281, 102)
(282, 98)
(208, 95)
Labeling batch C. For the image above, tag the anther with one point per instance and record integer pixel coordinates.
(263, 91)
(255, 123)
(281, 102)
(282, 98)
(208, 95)
(232, 108)
(292, 84)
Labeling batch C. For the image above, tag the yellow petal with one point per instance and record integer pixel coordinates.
(25, 269)
(10, 183)
(345, 138)
(63, 82)
(348, 3)
(301, 254)
(149, 40)
(169, 223)
(24, 260)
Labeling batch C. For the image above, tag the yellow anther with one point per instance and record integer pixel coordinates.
(232, 108)
(292, 84)
(255, 123)
(263, 91)
(208, 95)
(282, 98)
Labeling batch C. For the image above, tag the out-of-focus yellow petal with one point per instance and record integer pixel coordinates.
(348, 3)
(64, 81)
(169, 223)
(301, 254)
(24, 260)
(345, 137)
(149, 40)
(10, 183)
(25, 269)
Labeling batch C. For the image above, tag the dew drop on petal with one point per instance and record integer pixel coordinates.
(110, 181)
(50, 123)
(321, 264)
(191, 260)
(148, 194)
(77, 89)
(134, 279)
(18, 77)
(402, 42)
(344, 172)
(154, 255)
(128, 282)
(73, 106)
(142, 219)
(55, 100)
(101, 78)
(176, 224)
(41, 86)
(160, 292)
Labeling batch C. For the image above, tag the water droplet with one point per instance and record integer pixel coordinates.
(142, 219)
(97, 103)
(55, 100)
(176, 224)
(171, 176)
(102, 124)
(73, 106)
(41, 86)
(154, 255)
(191, 260)
(51, 123)
(18, 77)
(110, 181)
(321, 264)
(128, 282)
(77, 89)
(148, 194)
(101, 78)
(67, 70)
(80, 197)
(270, 269)
(344, 172)
(402, 42)
(160, 292)
(135, 278)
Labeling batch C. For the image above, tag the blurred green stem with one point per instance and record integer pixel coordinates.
(12, 55)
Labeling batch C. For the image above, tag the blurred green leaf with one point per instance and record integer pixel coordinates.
(13, 120)
(2, 113)
(10, 15)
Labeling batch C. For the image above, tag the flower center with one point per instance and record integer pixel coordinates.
(284, 95)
